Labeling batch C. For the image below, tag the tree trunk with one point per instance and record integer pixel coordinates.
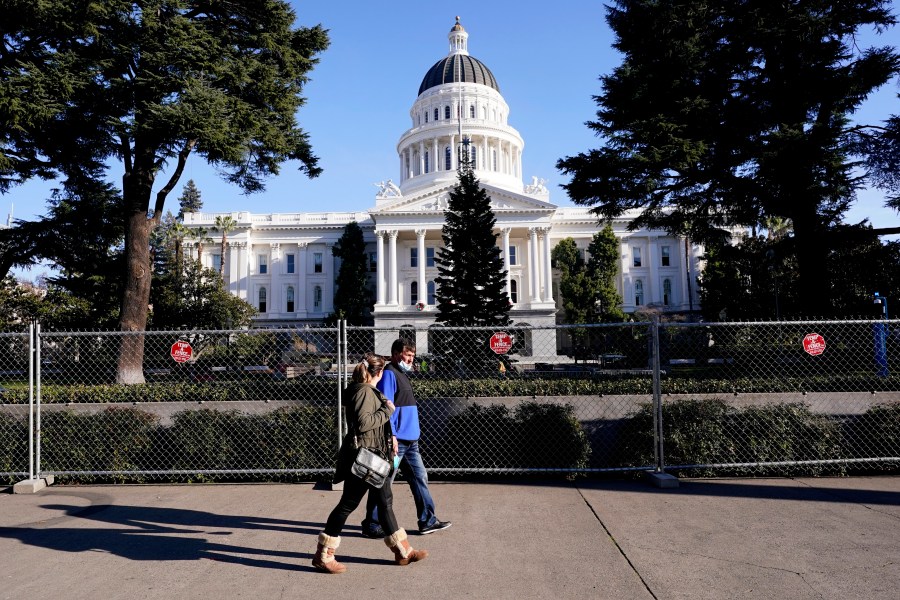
(813, 277)
(138, 274)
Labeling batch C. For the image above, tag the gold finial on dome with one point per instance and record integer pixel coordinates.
(457, 27)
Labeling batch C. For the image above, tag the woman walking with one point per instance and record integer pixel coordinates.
(368, 422)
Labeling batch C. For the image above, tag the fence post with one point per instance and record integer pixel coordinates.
(37, 370)
(31, 344)
(658, 476)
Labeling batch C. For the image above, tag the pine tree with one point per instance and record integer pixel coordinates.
(352, 297)
(603, 266)
(190, 200)
(471, 285)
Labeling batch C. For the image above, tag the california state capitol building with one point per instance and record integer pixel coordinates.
(283, 265)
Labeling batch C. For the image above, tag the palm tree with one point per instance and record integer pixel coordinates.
(224, 223)
(202, 236)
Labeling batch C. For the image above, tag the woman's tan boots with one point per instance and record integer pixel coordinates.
(403, 552)
(324, 558)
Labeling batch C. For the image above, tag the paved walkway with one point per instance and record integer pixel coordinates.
(742, 538)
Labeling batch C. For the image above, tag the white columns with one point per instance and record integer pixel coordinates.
(380, 266)
(328, 272)
(392, 287)
(548, 273)
(423, 286)
(533, 271)
(275, 304)
(300, 296)
(421, 158)
(505, 232)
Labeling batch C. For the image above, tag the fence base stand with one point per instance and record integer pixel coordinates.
(33, 486)
(662, 480)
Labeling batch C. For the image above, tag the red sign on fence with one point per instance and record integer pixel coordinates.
(181, 351)
(813, 344)
(501, 342)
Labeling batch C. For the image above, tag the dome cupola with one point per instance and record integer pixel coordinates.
(458, 66)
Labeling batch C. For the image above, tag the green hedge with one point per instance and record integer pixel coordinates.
(560, 384)
(532, 436)
(698, 432)
(13, 447)
(128, 439)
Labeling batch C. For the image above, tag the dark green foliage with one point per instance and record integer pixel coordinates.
(708, 432)
(721, 114)
(471, 287)
(139, 87)
(875, 433)
(542, 436)
(550, 437)
(116, 439)
(352, 295)
(190, 200)
(480, 436)
(13, 446)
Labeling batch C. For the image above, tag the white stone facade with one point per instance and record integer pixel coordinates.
(282, 263)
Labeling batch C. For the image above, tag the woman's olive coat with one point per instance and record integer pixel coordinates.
(368, 419)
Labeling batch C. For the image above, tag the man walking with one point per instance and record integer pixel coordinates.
(405, 422)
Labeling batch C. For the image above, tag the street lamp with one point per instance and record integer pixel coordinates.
(880, 333)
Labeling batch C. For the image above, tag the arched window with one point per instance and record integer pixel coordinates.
(667, 291)
(472, 111)
(262, 300)
(447, 112)
(431, 293)
(317, 298)
(413, 292)
(427, 162)
(426, 116)
(448, 159)
(514, 291)
(289, 297)
(435, 113)
(638, 292)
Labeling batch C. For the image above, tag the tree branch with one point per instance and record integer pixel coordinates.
(161, 195)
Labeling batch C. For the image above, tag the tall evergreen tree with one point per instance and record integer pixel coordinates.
(724, 113)
(603, 266)
(352, 296)
(471, 285)
(190, 200)
(150, 84)
(471, 282)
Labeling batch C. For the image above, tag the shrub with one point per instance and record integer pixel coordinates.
(491, 437)
(117, 439)
(13, 446)
(875, 433)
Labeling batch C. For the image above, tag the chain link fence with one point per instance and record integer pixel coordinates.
(699, 398)
(16, 377)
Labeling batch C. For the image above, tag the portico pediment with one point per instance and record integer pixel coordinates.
(436, 200)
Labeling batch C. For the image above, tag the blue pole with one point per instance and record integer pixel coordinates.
(880, 334)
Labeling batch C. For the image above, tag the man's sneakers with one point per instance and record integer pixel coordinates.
(436, 526)
(373, 531)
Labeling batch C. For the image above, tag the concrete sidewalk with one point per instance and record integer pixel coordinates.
(743, 538)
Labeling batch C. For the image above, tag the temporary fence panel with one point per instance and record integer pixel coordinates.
(781, 397)
(527, 399)
(16, 396)
(212, 404)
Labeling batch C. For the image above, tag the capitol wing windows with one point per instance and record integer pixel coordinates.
(289, 299)
(447, 112)
(261, 300)
(413, 257)
(290, 265)
(317, 298)
(638, 292)
(513, 256)
(431, 300)
(667, 291)
(216, 262)
(429, 256)
(636, 256)
(263, 264)
(514, 291)
(317, 262)
(664, 255)
(414, 292)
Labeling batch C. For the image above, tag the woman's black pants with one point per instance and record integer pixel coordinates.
(355, 489)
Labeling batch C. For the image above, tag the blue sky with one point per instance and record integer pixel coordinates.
(546, 57)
